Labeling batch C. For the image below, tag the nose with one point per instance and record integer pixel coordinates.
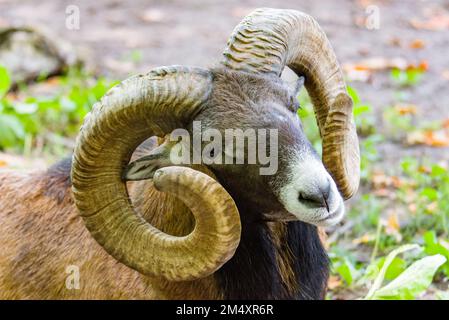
(318, 197)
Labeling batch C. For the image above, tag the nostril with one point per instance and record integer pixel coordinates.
(319, 199)
(312, 200)
(326, 204)
(326, 190)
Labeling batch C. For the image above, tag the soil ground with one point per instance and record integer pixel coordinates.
(125, 37)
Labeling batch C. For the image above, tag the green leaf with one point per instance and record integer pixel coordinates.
(347, 271)
(380, 277)
(433, 246)
(396, 267)
(430, 193)
(11, 130)
(358, 110)
(413, 281)
(354, 95)
(437, 171)
(5, 81)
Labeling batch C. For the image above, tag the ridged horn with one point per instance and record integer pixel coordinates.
(266, 41)
(151, 105)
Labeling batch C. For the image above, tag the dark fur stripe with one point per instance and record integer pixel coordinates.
(310, 260)
(253, 273)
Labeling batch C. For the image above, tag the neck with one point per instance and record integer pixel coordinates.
(275, 260)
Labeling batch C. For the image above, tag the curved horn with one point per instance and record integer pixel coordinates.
(269, 39)
(143, 106)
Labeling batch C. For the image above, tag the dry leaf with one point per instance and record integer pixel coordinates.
(362, 70)
(397, 182)
(436, 138)
(358, 75)
(392, 226)
(404, 109)
(439, 138)
(53, 81)
(334, 282)
(396, 42)
(423, 65)
(384, 192)
(381, 181)
(446, 124)
(393, 222)
(417, 44)
(12, 96)
(437, 22)
(378, 64)
(364, 239)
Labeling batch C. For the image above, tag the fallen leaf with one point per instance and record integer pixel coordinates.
(362, 70)
(397, 182)
(437, 22)
(384, 192)
(436, 138)
(381, 181)
(393, 222)
(53, 81)
(358, 75)
(424, 169)
(378, 64)
(396, 42)
(439, 138)
(417, 44)
(446, 124)
(404, 109)
(423, 65)
(334, 282)
(392, 226)
(12, 96)
(364, 239)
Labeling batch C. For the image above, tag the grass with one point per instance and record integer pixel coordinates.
(394, 241)
(44, 118)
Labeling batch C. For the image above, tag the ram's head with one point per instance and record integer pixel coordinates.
(244, 93)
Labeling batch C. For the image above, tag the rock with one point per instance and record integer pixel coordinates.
(30, 53)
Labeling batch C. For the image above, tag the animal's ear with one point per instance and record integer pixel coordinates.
(144, 167)
(296, 88)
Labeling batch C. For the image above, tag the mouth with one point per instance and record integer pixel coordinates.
(333, 218)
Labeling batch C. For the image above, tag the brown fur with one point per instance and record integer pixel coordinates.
(41, 233)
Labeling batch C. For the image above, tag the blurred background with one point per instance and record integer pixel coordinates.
(58, 57)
